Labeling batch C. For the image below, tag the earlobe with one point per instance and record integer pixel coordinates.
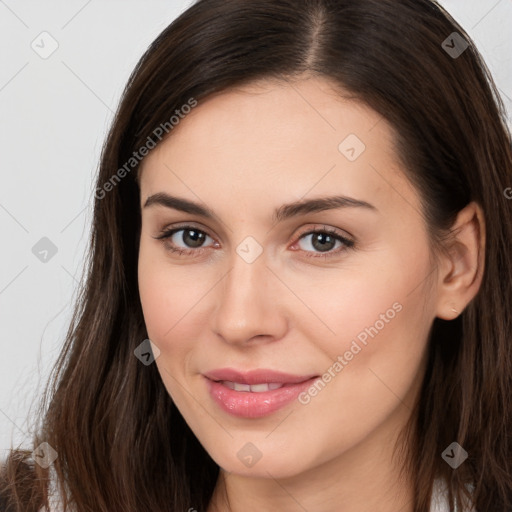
(463, 263)
(455, 312)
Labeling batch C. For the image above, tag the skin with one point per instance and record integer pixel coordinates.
(243, 153)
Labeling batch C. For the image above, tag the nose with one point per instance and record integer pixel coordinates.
(250, 304)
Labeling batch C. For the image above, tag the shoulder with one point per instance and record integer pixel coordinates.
(439, 502)
(54, 498)
(4, 504)
(4, 497)
(25, 478)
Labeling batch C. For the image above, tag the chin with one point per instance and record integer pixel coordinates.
(268, 466)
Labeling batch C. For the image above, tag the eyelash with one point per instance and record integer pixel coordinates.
(348, 244)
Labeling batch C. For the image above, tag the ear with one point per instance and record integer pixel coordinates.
(461, 266)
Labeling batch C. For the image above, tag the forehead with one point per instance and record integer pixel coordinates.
(272, 138)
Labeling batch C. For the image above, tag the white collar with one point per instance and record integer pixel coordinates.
(439, 501)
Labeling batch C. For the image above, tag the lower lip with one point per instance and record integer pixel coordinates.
(246, 404)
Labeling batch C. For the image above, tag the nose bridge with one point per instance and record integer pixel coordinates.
(247, 302)
(240, 283)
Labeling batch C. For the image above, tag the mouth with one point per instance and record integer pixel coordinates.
(253, 388)
(256, 393)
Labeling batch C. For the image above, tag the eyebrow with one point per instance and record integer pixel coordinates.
(282, 213)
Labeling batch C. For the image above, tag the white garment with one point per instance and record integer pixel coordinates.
(439, 501)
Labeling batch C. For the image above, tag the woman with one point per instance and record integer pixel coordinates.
(304, 206)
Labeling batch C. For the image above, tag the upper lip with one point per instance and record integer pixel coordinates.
(258, 376)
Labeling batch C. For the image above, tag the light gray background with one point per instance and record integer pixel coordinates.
(54, 115)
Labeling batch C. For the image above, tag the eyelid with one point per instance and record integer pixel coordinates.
(168, 232)
(165, 232)
(327, 229)
(347, 241)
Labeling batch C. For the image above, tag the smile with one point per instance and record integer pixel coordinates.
(256, 393)
(254, 388)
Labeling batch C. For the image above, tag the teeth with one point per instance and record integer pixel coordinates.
(254, 388)
(241, 387)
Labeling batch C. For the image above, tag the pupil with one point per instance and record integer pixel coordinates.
(323, 239)
(196, 237)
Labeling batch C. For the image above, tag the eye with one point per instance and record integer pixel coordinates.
(184, 240)
(189, 240)
(323, 242)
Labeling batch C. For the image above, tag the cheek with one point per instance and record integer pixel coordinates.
(168, 298)
(372, 364)
(378, 312)
(155, 295)
(172, 299)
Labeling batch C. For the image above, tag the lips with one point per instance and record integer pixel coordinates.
(255, 393)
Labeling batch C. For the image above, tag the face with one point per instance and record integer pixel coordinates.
(336, 295)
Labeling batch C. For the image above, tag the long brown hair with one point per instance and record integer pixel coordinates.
(122, 444)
